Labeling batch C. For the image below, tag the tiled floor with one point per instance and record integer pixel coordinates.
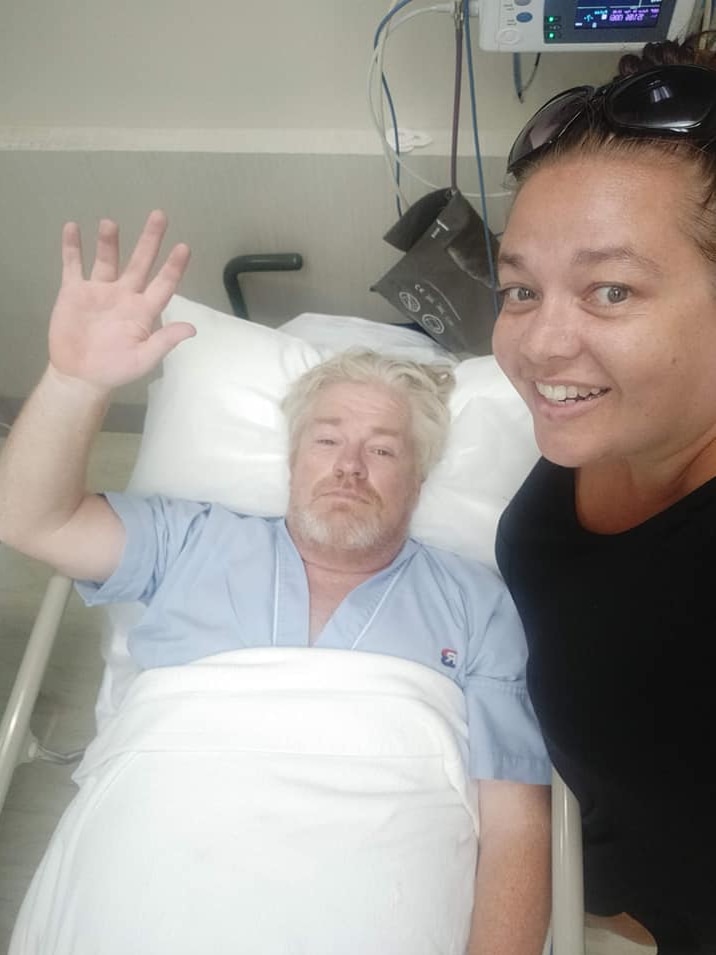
(64, 715)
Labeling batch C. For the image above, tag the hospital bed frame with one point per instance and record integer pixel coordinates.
(17, 745)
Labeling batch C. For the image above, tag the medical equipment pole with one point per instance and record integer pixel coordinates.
(16, 719)
(567, 871)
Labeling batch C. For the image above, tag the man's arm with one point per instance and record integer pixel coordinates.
(513, 882)
(101, 336)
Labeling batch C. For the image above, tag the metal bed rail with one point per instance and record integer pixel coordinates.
(15, 737)
(567, 871)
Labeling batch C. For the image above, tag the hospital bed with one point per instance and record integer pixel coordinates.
(214, 431)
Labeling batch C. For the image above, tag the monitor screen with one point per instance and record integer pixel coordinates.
(606, 16)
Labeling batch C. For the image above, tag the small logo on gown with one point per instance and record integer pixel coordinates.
(448, 657)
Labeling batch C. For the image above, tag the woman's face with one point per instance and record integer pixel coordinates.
(608, 324)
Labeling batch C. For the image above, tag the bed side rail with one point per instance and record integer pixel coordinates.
(15, 736)
(567, 871)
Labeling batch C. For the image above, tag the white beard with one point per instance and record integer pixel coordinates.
(339, 530)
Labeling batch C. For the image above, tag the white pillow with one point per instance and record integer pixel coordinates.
(215, 431)
(338, 332)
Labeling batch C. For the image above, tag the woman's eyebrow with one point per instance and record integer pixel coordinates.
(511, 258)
(617, 253)
(585, 257)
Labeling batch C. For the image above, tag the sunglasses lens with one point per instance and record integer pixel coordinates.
(678, 99)
(548, 124)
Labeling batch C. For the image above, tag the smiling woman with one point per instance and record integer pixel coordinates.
(622, 312)
(608, 331)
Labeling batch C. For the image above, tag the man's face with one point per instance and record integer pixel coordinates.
(354, 478)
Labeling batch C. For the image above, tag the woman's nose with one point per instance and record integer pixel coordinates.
(551, 331)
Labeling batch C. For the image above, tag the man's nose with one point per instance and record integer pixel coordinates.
(551, 332)
(350, 462)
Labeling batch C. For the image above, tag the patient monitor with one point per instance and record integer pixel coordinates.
(523, 26)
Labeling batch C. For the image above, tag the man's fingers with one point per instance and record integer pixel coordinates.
(140, 264)
(161, 342)
(106, 263)
(138, 270)
(165, 282)
(71, 253)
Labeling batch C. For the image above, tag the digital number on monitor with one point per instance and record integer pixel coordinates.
(591, 16)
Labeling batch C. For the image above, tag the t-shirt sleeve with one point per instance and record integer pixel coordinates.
(505, 740)
(157, 530)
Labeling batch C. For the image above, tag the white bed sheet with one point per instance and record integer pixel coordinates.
(267, 802)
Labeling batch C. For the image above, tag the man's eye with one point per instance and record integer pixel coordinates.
(383, 452)
(611, 294)
(327, 441)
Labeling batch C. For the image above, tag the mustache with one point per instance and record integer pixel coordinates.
(363, 489)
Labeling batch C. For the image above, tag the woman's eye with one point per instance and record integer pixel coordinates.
(328, 441)
(383, 452)
(611, 294)
(516, 295)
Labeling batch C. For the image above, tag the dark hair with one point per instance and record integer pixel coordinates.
(700, 219)
(693, 51)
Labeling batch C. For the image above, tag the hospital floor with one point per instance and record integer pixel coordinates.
(63, 719)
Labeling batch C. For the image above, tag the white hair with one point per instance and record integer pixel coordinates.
(426, 388)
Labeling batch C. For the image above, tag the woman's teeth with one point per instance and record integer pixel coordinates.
(561, 393)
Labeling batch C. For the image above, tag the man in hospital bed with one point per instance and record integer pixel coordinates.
(341, 572)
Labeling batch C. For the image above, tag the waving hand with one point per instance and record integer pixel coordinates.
(102, 329)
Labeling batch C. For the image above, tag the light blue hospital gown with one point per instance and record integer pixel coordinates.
(214, 581)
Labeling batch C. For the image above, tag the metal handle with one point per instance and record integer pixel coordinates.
(270, 262)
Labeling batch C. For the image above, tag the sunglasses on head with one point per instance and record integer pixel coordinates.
(672, 101)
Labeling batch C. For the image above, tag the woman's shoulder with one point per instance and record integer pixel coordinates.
(545, 499)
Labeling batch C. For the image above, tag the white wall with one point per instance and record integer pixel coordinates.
(245, 120)
(237, 63)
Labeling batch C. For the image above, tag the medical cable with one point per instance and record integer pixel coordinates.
(386, 593)
(379, 124)
(386, 89)
(379, 117)
(378, 47)
(392, 10)
(520, 87)
(478, 154)
(276, 593)
(459, 32)
(386, 26)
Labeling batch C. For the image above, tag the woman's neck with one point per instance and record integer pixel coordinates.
(616, 495)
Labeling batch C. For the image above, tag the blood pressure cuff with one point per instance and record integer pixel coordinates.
(443, 281)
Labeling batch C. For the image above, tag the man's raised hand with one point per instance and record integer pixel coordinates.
(102, 329)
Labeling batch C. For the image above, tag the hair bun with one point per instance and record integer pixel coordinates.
(671, 53)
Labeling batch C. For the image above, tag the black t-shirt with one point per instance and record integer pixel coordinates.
(620, 630)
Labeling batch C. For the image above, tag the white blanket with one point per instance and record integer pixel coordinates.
(266, 802)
